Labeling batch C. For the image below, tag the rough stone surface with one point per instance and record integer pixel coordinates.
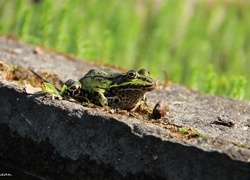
(56, 139)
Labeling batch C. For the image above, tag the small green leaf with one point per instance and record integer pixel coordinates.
(49, 88)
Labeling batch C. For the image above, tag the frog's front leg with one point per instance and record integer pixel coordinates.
(100, 96)
(141, 105)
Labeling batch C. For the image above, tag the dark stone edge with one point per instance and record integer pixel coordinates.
(126, 154)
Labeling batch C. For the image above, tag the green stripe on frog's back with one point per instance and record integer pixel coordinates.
(98, 79)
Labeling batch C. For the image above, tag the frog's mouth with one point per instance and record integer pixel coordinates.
(137, 87)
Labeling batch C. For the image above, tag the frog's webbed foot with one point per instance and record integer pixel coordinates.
(138, 106)
(88, 104)
(84, 101)
(142, 106)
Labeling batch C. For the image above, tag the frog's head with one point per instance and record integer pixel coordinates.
(135, 81)
(130, 88)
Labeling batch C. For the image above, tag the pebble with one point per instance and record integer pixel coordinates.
(160, 109)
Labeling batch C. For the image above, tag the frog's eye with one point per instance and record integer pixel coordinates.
(144, 72)
(131, 74)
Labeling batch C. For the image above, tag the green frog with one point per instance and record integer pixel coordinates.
(117, 90)
(111, 89)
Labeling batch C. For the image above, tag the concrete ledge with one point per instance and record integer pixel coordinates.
(57, 139)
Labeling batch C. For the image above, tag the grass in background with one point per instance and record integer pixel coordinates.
(204, 45)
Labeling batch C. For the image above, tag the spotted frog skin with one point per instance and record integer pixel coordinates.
(111, 89)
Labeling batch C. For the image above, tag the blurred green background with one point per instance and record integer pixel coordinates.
(203, 44)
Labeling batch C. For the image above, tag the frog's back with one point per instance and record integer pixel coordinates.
(96, 79)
